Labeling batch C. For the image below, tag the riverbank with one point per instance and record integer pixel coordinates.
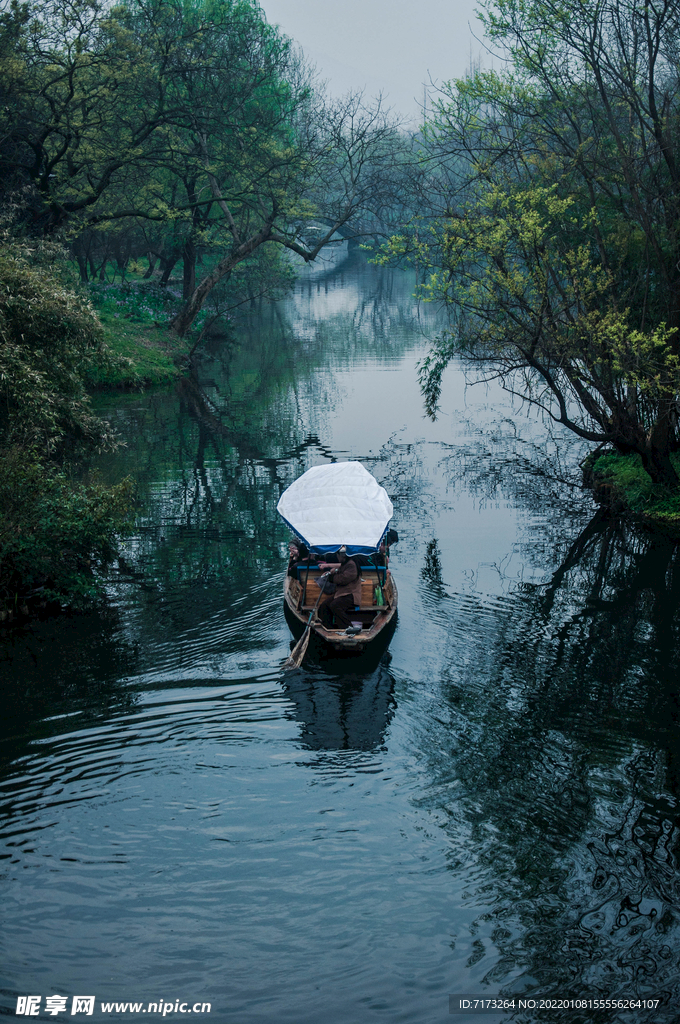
(55, 528)
(145, 352)
(620, 483)
(144, 356)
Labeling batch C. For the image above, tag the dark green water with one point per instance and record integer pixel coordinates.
(491, 808)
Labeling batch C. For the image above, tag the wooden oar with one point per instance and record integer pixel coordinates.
(300, 649)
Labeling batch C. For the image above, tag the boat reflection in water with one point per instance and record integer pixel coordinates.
(348, 710)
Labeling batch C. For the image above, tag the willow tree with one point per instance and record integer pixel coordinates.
(554, 236)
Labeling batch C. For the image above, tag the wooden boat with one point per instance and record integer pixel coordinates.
(301, 593)
(334, 506)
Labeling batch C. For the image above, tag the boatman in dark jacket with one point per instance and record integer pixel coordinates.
(347, 579)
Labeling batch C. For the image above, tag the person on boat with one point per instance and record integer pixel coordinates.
(382, 555)
(347, 580)
(391, 537)
(298, 554)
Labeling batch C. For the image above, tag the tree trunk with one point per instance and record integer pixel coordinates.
(656, 458)
(659, 466)
(189, 275)
(168, 266)
(81, 260)
(184, 319)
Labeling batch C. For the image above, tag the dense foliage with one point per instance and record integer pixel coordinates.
(180, 131)
(552, 190)
(53, 532)
(52, 529)
(49, 336)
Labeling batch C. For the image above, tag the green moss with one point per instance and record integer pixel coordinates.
(620, 481)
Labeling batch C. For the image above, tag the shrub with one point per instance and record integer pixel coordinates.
(50, 336)
(54, 533)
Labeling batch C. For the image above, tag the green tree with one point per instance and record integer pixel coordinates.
(256, 152)
(193, 115)
(232, 87)
(334, 167)
(554, 193)
(70, 115)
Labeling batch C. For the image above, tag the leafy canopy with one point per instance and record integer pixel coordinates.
(551, 219)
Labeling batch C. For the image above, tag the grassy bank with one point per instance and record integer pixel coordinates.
(145, 352)
(620, 482)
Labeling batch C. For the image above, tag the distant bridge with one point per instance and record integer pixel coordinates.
(354, 234)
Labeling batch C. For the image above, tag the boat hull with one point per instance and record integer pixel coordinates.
(377, 621)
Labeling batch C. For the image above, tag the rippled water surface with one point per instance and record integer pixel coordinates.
(489, 807)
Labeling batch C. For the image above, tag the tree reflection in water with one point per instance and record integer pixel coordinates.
(557, 767)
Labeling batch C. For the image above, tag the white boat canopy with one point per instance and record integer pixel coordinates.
(336, 504)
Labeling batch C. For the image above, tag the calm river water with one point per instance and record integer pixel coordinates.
(491, 809)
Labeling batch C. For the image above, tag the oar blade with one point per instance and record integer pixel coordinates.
(299, 651)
